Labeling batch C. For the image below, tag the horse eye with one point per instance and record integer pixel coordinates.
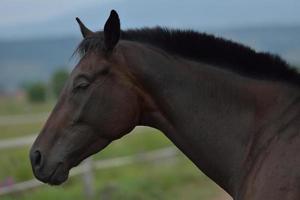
(83, 84)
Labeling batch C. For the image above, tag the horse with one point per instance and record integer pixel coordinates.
(232, 111)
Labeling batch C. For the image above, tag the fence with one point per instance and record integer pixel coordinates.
(88, 166)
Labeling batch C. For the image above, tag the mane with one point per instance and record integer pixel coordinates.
(206, 48)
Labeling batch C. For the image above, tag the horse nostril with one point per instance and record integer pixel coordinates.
(37, 159)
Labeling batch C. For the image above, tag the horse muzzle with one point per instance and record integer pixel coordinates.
(48, 171)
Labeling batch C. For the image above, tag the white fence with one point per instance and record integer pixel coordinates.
(87, 167)
(18, 142)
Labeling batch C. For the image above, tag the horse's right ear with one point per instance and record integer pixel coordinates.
(112, 30)
(84, 30)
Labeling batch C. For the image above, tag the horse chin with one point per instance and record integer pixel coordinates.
(59, 176)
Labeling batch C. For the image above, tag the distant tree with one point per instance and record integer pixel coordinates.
(58, 81)
(36, 92)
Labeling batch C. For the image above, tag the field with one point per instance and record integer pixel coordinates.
(170, 179)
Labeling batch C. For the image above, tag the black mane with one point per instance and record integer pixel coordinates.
(207, 48)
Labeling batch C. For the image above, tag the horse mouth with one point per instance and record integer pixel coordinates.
(58, 176)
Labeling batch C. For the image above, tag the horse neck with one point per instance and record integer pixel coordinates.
(209, 114)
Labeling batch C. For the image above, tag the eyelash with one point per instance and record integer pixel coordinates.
(86, 84)
(82, 86)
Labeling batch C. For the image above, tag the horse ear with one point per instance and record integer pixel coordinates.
(112, 31)
(84, 30)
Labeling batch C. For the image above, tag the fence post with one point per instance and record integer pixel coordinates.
(88, 179)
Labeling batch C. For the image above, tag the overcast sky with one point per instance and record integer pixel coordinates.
(43, 18)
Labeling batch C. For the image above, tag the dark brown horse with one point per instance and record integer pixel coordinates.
(234, 112)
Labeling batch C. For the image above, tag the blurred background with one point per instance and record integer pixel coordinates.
(37, 39)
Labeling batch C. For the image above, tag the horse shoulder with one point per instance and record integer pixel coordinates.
(276, 173)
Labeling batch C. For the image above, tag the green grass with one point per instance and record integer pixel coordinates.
(15, 163)
(150, 139)
(9, 131)
(164, 180)
(167, 180)
(12, 107)
(17, 107)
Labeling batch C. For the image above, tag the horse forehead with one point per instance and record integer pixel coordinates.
(91, 62)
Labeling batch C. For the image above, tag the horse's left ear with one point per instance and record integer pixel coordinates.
(112, 31)
(84, 30)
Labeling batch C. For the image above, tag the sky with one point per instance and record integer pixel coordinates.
(21, 19)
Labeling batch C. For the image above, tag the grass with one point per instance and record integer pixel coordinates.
(166, 180)
(9, 131)
(15, 164)
(12, 106)
(130, 144)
